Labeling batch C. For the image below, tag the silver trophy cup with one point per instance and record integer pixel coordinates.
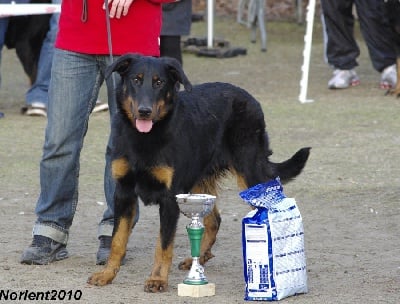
(195, 207)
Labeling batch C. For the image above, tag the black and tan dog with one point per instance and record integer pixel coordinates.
(168, 142)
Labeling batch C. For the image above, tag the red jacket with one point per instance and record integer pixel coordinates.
(137, 32)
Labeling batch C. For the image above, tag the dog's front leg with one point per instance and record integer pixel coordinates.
(117, 253)
(125, 213)
(158, 280)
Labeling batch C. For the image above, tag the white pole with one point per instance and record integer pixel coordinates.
(210, 23)
(307, 53)
(7, 10)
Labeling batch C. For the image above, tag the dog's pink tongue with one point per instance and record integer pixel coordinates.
(144, 125)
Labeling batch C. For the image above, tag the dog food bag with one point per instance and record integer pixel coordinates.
(273, 244)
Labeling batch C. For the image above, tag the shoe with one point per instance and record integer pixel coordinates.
(100, 107)
(43, 251)
(388, 77)
(35, 109)
(342, 79)
(104, 250)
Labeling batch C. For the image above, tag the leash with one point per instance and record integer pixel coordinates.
(109, 40)
(108, 23)
(84, 18)
(84, 11)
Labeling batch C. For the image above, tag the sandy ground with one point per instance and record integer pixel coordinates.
(348, 194)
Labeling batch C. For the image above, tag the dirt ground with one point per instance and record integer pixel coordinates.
(348, 193)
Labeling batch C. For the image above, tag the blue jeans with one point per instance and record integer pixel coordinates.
(38, 92)
(3, 30)
(74, 87)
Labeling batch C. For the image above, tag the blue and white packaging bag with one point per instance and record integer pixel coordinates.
(273, 244)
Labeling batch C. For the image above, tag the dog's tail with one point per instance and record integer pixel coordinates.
(292, 167)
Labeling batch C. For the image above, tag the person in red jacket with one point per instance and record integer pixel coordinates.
(82, 53)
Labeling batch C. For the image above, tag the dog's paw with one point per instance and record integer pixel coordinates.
(102, 278)
(185, 264)
(393, 92)
(155, 285)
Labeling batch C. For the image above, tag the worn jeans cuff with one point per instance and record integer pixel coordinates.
(51, 232)
(105, 229)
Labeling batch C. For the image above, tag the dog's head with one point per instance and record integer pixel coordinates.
(148, 87)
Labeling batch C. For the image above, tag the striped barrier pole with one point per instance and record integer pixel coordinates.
(9, 10)
(307, 53)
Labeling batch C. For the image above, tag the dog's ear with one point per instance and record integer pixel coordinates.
(121, 64)
(175, 69)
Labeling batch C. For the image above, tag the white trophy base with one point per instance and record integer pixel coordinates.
(196, 291)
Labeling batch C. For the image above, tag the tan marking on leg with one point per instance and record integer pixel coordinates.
(119, 242)
(164, 175)
(118, 251)
(208, 186)
(240, 180)
(158, 280)
(119, 168)
(211, 223)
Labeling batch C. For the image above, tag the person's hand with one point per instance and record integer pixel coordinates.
(119, 8)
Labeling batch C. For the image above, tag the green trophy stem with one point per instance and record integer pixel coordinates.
(195, 207)
(195, 236)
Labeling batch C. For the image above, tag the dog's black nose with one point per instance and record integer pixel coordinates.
(144, 111)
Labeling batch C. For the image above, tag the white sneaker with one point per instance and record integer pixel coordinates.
(342, 79)
(389, 77)
(100, 107)
(35, 109)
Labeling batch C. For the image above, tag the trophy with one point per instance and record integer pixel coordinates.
(195, 206)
